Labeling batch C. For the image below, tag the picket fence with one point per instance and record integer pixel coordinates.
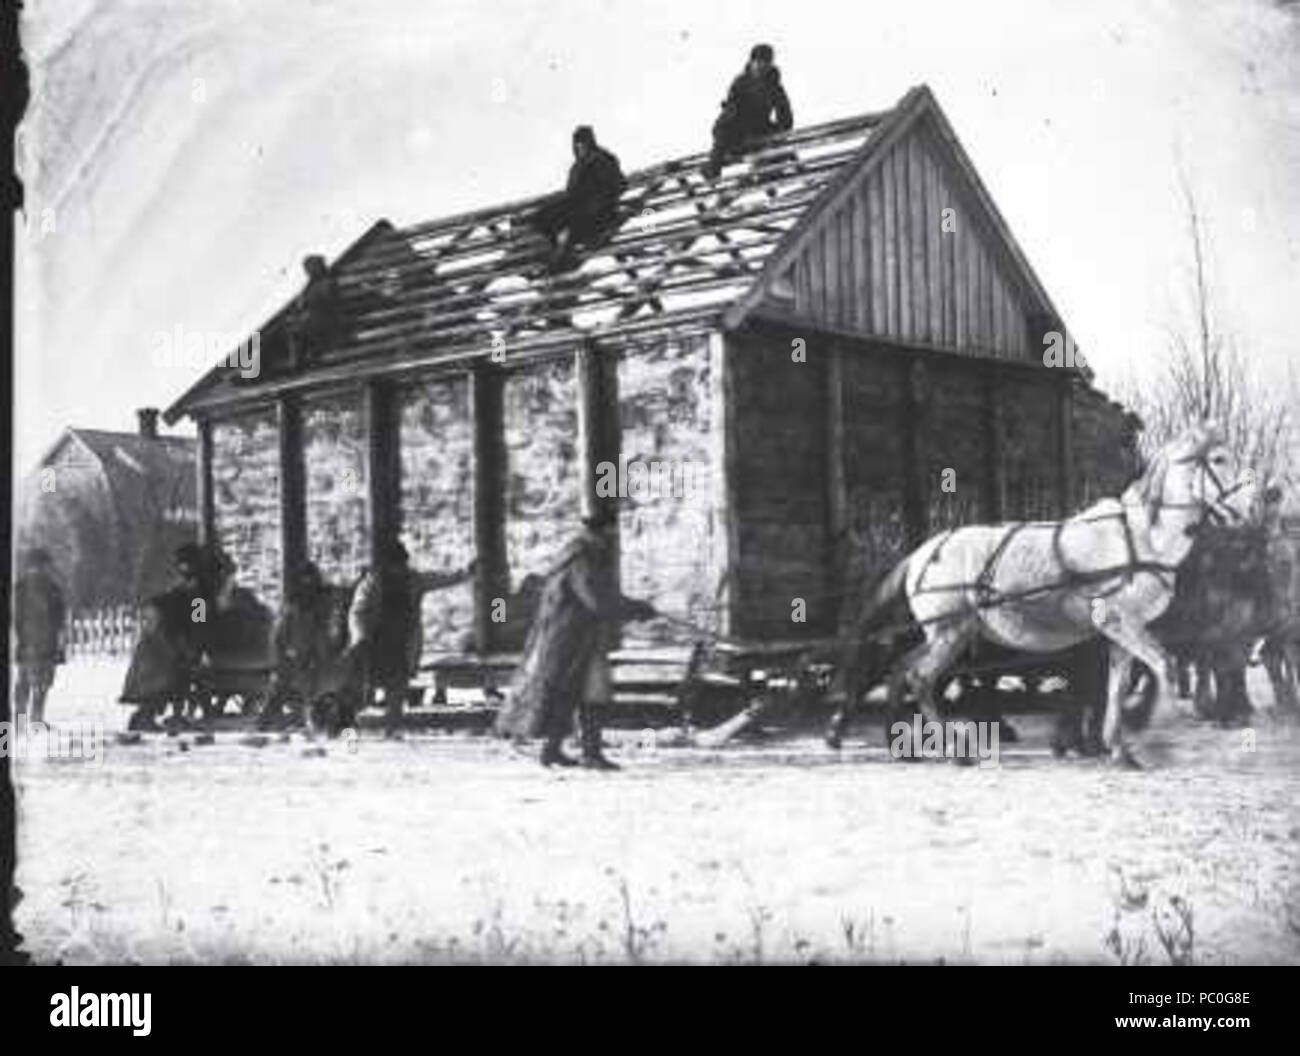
(100, 632)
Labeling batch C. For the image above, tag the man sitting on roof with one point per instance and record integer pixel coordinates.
(589, 206)
(755, 106)
(315, 320)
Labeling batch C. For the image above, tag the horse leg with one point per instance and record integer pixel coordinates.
(1203, 703)
(926, 665)
(838, 726)
(847, 685)
(1111, 735)
(1079, 719)
(1281, 657)
(1279, 675)
(1129, 643)
(1289, 647)
(896, 688)
(1235, 703)
(845, 693)
(1068, 732)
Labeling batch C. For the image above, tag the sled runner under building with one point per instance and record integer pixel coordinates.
(838, 335)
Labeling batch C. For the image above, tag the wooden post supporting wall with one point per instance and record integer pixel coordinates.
(836, 562)
(598, 424)
(599, 435)
(917, 506)
(995, 482)
(1065, 406)
(203, 486)
(487, 387)
(383, 476)
(293, 494)
(722, 467)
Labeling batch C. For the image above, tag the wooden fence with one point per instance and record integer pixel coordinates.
(109, 631)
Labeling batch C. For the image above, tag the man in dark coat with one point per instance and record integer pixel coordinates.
(565, 665)
(589, 206)
(314, 328)
(385, 628)
(755, 106)
(172, 640)
(39, 612)
(310, 638)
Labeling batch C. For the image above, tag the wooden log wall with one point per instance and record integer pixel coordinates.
(672, 539)
(873, 428)
(438, 496)
(293, 490)
(779, 487)
(333, 457)
(246, 499)
(959, 464)
(819, 473)
(489, 467)
(204, 493)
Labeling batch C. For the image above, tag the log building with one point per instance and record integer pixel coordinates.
(819, 333)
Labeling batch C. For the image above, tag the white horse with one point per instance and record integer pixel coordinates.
(1045, 586)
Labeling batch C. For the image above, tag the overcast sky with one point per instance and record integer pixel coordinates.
(181, 157)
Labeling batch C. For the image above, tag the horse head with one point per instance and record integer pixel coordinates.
(1197, 473)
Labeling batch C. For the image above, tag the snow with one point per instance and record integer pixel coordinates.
(456, 847)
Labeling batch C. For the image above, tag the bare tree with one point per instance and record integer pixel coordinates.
(1205, 376)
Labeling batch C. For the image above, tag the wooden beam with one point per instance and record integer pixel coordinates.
(518, 317)
(596, 371)
(774, 147)
(1065, 410)
(487, 386)
(916, 400)
(599, 436)
(293, 494)
(995, 483)
(496, 249)
(443, 297)
(348, 372)
(383, 466)
(803, 325)
(726, 556)
(837, 550)
(203, 485)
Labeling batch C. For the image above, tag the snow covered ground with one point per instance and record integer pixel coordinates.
(455, 847)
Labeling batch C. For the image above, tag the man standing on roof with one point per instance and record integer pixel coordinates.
(589, 205)
(315, 321)
(39, 611)
(755, 106)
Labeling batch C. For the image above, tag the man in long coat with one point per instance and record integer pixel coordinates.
(39, 612)
(755, 106)
(173, 639)
(566, 666)
(308, 642)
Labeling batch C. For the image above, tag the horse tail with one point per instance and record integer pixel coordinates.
(882, 604)
(885, 599)
(864, 654)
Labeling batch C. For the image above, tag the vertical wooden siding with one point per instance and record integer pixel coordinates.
(883, 264)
